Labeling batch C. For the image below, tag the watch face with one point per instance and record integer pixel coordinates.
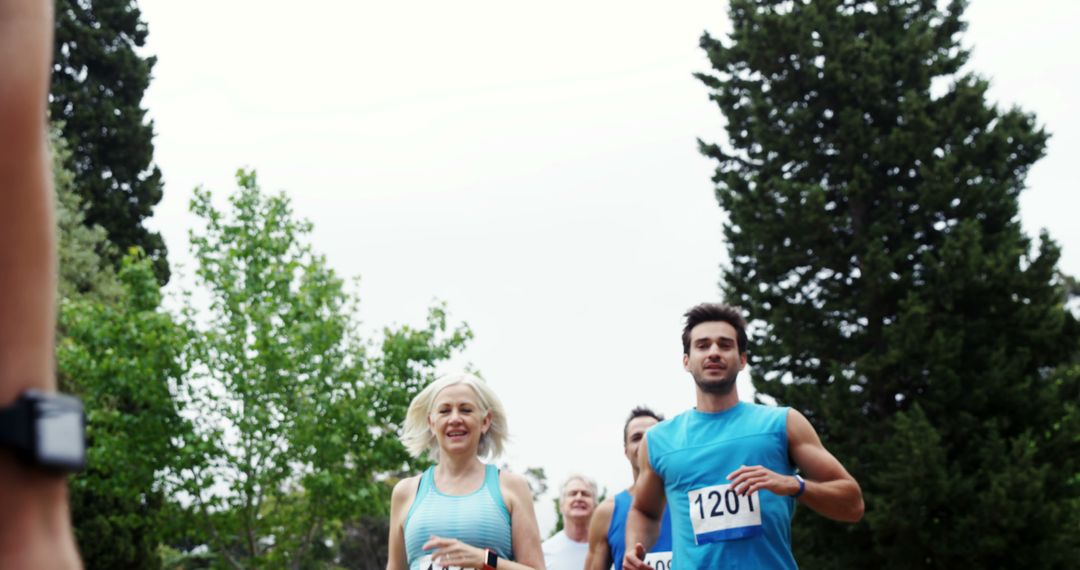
(59, 430)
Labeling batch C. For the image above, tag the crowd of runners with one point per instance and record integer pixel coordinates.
(714, 487)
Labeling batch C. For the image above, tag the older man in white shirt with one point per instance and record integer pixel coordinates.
(569, 547)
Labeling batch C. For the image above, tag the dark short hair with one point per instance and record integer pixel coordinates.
(707, 312)
(639, 412)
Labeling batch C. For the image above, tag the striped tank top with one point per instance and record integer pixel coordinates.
(478, 519)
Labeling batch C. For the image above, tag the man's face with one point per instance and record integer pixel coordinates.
(577, 501)
(635, 433)
(714, 360)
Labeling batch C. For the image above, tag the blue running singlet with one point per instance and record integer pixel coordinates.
(713, 526)
(478, 519)
(616, 535)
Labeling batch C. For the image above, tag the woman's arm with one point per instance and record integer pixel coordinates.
(524, 530)
(404, 493)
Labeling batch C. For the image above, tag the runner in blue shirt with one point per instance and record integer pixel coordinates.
(727, 469)
(607, 531)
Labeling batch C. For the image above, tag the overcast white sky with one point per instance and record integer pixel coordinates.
(535, 166)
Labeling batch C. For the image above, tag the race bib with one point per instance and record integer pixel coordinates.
(659, 560)
(427, 564)
(720, 513)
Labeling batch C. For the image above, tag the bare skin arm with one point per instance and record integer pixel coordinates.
(599, 557)
(830, 490)
(524, 533)
(643, 521)
(35, 531)
(400, 501)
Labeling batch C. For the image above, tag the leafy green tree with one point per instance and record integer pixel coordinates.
(125, 359)
(874, 239)
(297, 424)
(121, 354)
(98, 82)
(83, 249)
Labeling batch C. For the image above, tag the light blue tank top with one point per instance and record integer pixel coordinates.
(479, 519)
(693, 453)
(616, 534)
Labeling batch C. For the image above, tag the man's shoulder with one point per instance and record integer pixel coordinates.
(669, 426)
(605, 507)
(673, 422)
(555, 542)
(756, 407)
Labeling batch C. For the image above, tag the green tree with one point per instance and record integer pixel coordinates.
(297, 425)
(874, 239)
(98, 82)
(122, 355)
(125, 359)
(83, 249)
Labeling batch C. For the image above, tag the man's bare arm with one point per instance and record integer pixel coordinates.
(830, 490)
(599, 557)
(643, 521)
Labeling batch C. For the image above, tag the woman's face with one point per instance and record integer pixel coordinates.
(457, 420)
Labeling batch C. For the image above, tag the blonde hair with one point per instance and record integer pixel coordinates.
(417, 436)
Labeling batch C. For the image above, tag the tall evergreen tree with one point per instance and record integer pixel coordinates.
(121, 354)
(98, 82)
(874, 240)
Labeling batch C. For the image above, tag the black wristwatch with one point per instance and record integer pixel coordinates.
(46, 430)
(491, 559)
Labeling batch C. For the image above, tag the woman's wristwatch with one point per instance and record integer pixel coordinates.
(491, 560)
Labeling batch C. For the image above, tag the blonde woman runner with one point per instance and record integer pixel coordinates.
(462, 512)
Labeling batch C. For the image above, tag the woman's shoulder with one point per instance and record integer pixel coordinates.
(405, 489)
(514, 484)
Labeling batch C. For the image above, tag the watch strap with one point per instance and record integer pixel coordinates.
(15, 425)
(491, 559)
(802, 486)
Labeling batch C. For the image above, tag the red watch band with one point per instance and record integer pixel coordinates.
(491, 560)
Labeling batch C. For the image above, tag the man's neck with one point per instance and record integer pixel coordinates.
(576, 530)
(712, 403)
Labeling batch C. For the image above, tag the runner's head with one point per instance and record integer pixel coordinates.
(714, 346)
(455, 412)
(577, 497)
(708, 312)
(640, 420)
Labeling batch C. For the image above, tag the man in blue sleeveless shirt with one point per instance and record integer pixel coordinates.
(607, 531)
(727, 469)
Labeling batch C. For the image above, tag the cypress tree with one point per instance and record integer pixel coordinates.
(97, 88)
(874, 240)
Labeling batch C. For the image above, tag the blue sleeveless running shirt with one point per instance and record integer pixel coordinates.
(478, 519)
(713, 526)
(616, 534)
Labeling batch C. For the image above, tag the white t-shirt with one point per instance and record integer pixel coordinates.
(561, 553)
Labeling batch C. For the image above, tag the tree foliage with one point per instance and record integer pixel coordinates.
(98, 82)
(84, 250)
(874, 239)
(125, 359)
(122, 354)
(296, 433)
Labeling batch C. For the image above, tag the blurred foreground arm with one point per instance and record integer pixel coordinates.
(35, 529)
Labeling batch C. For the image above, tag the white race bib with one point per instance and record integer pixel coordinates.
(659, 560)
(720, 513)
(427, 564)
